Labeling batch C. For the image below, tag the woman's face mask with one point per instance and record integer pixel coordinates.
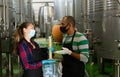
(31, 33)
(63, 29)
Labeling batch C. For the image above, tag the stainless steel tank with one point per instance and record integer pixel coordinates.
(60, 9)
(75, 8)
(30, 11)
(1, 18)
(1, 7)
(63, 8)
(111, 28)
(11, 12)
(95, 12)
(0, 35)
(5, 17)
(46, 16)
(17, 5)
(104, 20)
(80, 14)
(23, 9)
(6, 30)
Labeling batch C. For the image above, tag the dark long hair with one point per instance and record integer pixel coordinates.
(18, 35)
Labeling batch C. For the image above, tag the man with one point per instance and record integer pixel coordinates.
(75, 49)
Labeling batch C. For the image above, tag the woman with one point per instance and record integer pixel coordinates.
(28, 50)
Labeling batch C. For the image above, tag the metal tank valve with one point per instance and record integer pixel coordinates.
(118, 43)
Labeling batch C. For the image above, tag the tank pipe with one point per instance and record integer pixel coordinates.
(1, 17)
(85, 14)
(15, 20)
(118, 68)
(0, 63)
(20, 10)
(4, 16)
(117, 64)
(7, 16)
(93, 11)
(74, 8)
(7, 35)
(30, 5)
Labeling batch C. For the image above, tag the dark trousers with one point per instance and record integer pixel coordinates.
(33, 73)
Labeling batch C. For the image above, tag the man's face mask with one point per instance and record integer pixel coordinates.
(63, 29)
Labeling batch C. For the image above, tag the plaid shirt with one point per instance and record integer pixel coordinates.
(25, 53)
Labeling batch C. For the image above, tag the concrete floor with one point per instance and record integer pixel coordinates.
(91, 67)
(92, 70)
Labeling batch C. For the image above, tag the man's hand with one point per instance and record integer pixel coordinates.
(64, 51)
